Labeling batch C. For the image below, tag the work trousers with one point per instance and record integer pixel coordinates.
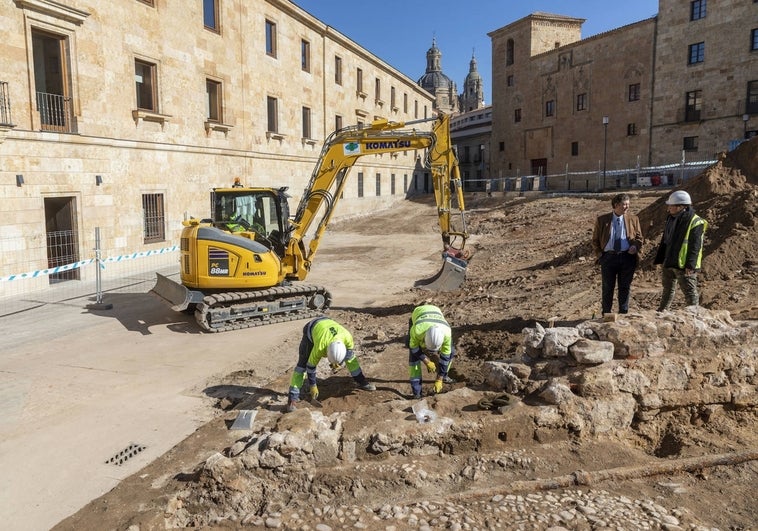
(617, 268)
(670, 277)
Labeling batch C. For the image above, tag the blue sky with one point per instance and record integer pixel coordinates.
(401, 31)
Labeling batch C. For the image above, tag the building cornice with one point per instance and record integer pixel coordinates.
(54, 9)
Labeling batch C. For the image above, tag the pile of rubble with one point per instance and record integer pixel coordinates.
(624, 379)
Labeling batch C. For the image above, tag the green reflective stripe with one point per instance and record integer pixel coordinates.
(414, 369)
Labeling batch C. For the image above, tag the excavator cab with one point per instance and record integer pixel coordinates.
(264, 212)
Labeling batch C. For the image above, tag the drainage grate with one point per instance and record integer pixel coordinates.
(124, 455)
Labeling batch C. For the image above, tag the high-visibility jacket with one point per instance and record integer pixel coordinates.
(685, 250)
(422, 319)
(696, 221)
(323, 333)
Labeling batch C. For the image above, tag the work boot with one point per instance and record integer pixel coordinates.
(368, 386)
(290, 406)
(448, 380)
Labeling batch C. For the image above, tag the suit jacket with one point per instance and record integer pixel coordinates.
(601, 233)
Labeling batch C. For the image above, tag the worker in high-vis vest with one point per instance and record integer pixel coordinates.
(681, 250)
(429, 335)
(324, 338)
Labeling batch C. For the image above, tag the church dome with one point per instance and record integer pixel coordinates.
(434, 81)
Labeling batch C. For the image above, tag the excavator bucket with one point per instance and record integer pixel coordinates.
(176, 295)
(449, 278)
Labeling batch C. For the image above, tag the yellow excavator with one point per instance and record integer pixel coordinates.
(243, 266)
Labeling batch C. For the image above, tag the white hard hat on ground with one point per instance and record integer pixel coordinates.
(679, 198)
(434, 338)
(336, 352)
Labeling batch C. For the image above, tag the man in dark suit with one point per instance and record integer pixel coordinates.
(617, 240)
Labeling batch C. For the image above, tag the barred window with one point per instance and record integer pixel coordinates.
(360, 184)
(154, 218)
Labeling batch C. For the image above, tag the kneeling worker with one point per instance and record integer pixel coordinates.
(429, 335)
(323, 337)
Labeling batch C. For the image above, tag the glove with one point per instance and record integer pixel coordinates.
(314, 392)
(438, 386)
(430, 366)
(335, 367)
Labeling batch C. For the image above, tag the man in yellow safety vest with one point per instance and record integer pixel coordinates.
(681, 250)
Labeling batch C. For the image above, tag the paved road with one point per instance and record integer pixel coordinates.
(78, 386)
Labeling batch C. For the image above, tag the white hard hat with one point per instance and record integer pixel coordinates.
(434, 338)
(336, 352)
(679, 198)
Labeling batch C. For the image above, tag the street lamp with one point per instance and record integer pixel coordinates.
(745, 118)
(605, 146)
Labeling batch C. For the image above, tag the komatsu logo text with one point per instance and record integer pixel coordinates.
(391, 144)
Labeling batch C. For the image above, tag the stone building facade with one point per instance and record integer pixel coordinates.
(552, 93)
(122, 116)
(706, 77)
(684, 83)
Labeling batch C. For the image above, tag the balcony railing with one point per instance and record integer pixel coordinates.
(5, 105)
(54, 112)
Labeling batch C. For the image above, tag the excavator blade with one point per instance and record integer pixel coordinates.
(449, 278)
(175, 294)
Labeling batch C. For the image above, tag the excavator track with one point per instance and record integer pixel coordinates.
(236, 310)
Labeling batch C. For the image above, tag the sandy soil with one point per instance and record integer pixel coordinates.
(532, 264)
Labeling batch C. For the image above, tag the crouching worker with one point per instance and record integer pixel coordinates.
(323, 337)
(429, 335)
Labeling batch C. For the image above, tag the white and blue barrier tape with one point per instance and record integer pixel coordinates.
(81, 263)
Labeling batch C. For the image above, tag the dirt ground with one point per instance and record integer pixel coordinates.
(532, 264)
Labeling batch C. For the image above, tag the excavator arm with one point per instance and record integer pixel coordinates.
(342, 150)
